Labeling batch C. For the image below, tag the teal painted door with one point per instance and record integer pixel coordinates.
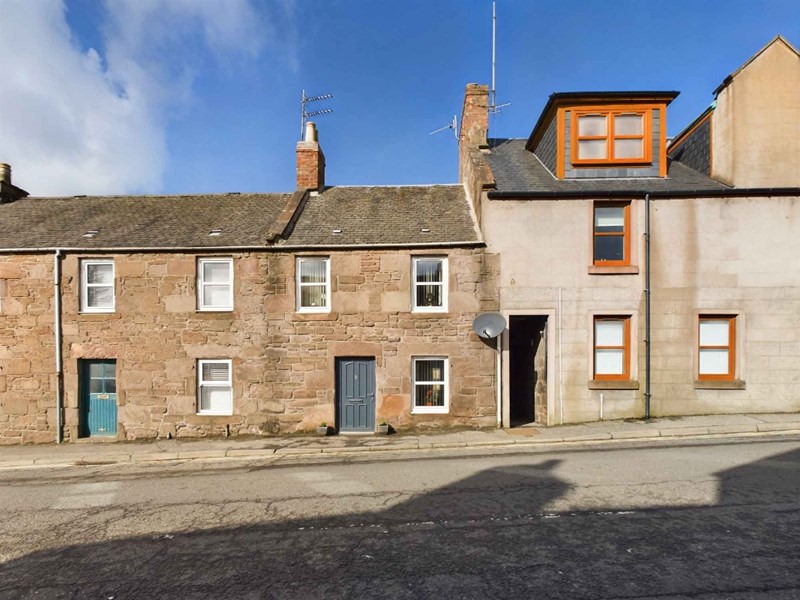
(98, 405)
(355, 393)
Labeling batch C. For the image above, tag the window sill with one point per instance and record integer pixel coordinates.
(612, 384)
(315, 316)
(216, 310)
(430, 410)
(214, 414)
(719, 384)
(615, 270)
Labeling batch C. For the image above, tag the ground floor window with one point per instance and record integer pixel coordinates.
(716, 347)
(430, 384)
(214, 387)
(612, 347)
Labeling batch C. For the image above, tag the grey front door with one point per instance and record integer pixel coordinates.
(355, 394)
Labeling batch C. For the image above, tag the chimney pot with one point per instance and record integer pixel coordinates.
(311, 132)
(5, 173)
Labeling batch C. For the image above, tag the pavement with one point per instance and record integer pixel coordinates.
(661, 429)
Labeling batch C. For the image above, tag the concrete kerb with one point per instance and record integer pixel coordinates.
(611, 438)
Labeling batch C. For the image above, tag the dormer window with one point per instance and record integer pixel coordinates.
(611, 136)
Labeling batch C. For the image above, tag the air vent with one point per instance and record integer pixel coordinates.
(91, 233)
(215, 232)
(337, 232)
(425, 230)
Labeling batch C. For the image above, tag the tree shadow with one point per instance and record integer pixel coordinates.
(485, 536)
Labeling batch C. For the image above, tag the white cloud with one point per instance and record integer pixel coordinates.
(93, 121)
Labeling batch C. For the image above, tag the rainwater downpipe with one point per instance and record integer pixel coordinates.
(560, 369)
(499, 381)
(57, 330)
(647, 306)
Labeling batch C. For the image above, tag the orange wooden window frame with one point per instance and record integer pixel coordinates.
(626, 234)
(626, 348)
(731, 348)
(610, 137)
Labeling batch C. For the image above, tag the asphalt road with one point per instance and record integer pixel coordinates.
(702, 522)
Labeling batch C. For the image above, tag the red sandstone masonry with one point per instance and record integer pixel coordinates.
(283, 362)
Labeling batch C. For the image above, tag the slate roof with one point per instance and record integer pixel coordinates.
(516, 169)
(142, 221)
(391, 215)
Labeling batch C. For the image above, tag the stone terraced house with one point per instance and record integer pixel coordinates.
(146, 316)
(638, 276)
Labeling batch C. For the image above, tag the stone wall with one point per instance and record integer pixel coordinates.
(283, 361)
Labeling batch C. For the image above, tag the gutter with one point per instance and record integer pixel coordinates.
(628, 194)
(647, 394)
(218, 249)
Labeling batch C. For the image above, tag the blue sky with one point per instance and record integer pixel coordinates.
(186, 96)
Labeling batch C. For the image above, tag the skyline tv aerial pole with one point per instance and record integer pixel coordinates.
(494, 108)
(304, 114)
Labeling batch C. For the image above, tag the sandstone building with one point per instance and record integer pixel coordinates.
(638, 276)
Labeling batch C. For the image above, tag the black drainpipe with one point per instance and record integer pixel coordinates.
(647, 306)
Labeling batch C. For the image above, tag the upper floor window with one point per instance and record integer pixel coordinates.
(716, 347)
(97, 285)
(611, 136)
(611, 238)
(430, 284)
(612, 348)
(313, 284)
(215, 284)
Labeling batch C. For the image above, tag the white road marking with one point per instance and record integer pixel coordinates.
(88, 495)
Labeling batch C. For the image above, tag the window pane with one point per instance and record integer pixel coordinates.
(312, 271)
(714, 333)
(713, 362)
(609, 247)
(95, 386)
(312, 296)
(100, 297)
(429, 295)
(111, 370)
(95, 369)
(589, 149)
(429, 370)
(429, 270)
(216, 398)
(609, 362)
(609, 333)
(100, 273)
(628, 149)
(216, 295)
(111, 386)
(216, 272)
(592, 125)
(608, 219)
(429, 395)
(215, 371)
(628, 125)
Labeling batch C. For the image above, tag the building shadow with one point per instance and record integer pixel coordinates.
(486, 536)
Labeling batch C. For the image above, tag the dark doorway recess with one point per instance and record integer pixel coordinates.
(528, 366)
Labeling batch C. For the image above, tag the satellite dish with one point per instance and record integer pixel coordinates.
(489, 325)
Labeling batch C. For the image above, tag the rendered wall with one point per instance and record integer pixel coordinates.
(728, 256)
(756, 124)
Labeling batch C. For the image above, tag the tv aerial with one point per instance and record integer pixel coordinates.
(494, 107)
(453, 125)
(489, 325)
(305, 114)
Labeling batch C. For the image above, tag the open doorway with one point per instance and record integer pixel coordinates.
(528, 369)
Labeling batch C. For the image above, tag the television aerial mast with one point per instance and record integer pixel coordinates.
(305, 114)
(494, 108)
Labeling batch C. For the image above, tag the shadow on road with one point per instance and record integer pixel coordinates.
(482, 537)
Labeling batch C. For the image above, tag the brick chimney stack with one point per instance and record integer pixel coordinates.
(310, 161)
(475, 115)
